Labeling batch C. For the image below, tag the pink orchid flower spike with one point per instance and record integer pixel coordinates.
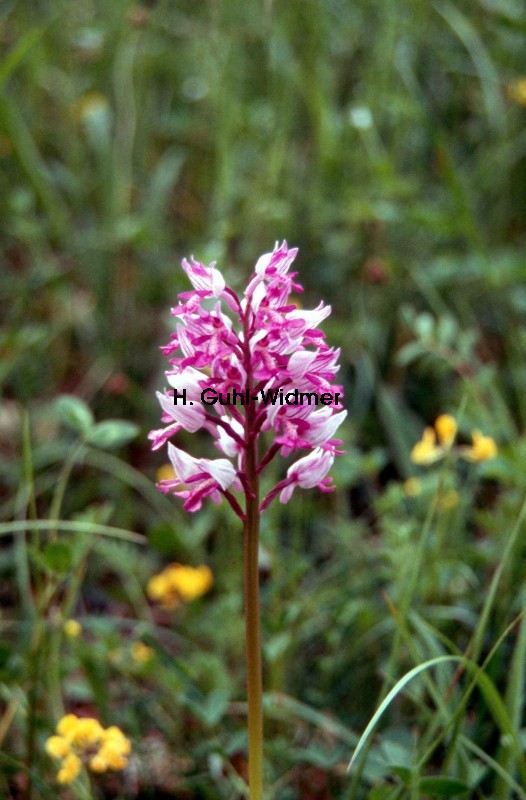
(249, 368)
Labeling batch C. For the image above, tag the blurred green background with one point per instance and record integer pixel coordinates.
(386, 140)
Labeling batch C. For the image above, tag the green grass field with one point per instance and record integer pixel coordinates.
(388, 142)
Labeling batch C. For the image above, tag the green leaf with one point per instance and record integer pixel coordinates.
(382, 792)
(316, 755)
(277, 646)
(17, 54)
(112, 433)
(214, 707)
(438, 786)
(397, 688)
(74, 413)
(70, 526)
(5, 655)
(58, 557)
(404, 773)
(164, 539)
(487, 688)
(409, 353)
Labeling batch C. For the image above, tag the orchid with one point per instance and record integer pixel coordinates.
(256, 345)
(255, 372)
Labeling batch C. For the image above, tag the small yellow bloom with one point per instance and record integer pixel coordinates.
(190, 582)
(57, 747)
(178, 583)
(67, 725)
(412, 487)
(165, 473)
(482, 449)
(426, 451)
(70, 769)
(98, 764)
(141, 653)
(446, 429)
(113, 751)
(158, 587)
(72, 628)
(114, 734)
(112, 757)
(517, 90)
(88, 732)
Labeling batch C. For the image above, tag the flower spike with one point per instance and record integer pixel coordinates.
(248, 368)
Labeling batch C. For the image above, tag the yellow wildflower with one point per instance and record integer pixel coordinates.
(412, 487)
(141, 653)
(191, 582)
(113, 751)
(71, 767)
(67, 724)
(426, 450)
(517, 90)
(114, 734)
(178, 583)
(105, 748)
(98, 764)
(482, 449)
(88, 732)
(158, 587)
(57, 747)
(446, 429)
(72, 628)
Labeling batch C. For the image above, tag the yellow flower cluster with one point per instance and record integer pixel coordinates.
(179, 583)
(437, 442)
(104, 748)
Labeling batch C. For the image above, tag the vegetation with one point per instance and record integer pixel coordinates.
(387, 141)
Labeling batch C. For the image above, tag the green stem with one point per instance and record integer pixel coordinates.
(251, 591)
(253, 650)
(62, 482)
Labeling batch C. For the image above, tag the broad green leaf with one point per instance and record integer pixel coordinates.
(112, 433)
(58, 557)
(74, 413)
